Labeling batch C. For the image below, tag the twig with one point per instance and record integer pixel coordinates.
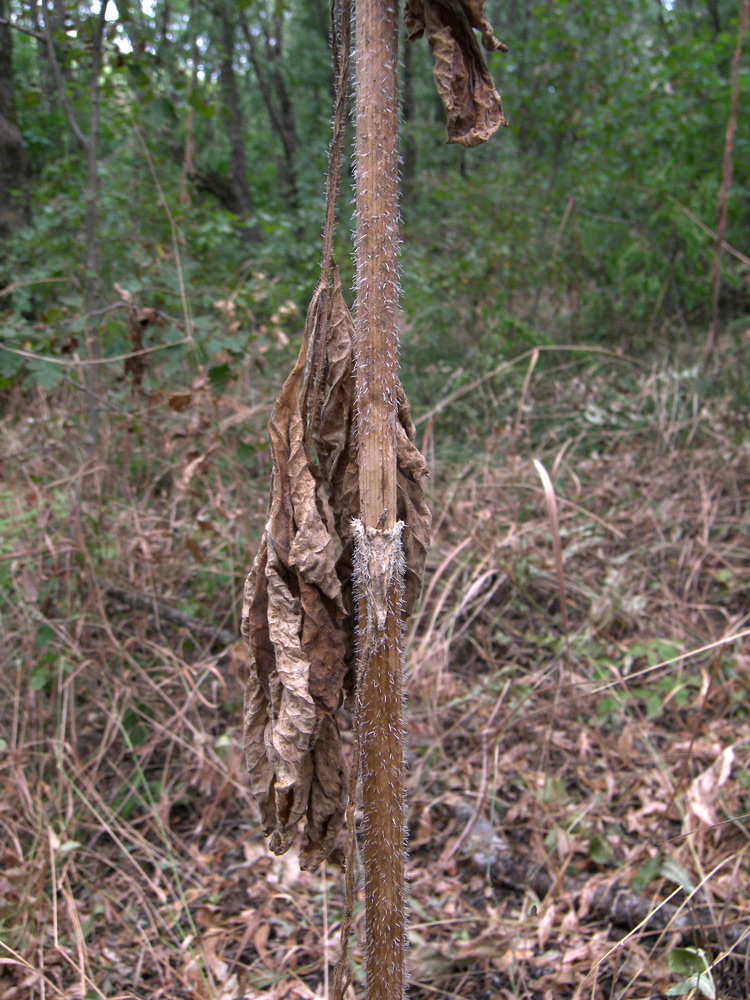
(732, 251)
(24, 31)
(521, 404)
(625, 908)
(550, 500)
(62, 93)
(186, 311)
(141, 603)
(561, 229)
(87, 362)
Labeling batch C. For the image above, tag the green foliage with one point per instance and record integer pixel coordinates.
(692, 963)
(576, 225)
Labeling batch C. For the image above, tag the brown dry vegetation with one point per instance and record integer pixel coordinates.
(561, 787)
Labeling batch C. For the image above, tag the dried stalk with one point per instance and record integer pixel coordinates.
(379, 628)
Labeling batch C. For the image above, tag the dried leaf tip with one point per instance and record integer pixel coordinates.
(462, 79)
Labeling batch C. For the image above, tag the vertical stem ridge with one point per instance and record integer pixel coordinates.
(380, 682)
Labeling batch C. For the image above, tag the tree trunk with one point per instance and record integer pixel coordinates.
(91, 148)
(46, 74)
(380, 680)
(277, 100)
(89, 144)
(233, 119)
(722, 202)
(14, 162)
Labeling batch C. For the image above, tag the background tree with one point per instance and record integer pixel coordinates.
(619, 108)
(14, 161)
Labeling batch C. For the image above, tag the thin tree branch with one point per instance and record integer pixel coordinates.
(70, 117)
(24, 31)
(139, 602)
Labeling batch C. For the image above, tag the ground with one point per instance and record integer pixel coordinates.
(578, 689)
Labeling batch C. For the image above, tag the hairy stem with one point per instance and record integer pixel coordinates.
(380, 681)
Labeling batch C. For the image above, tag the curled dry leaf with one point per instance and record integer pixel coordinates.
(297, 614)
(412, 506)
(462, 79)
(293, 618)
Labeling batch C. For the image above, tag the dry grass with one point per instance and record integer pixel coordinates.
(610, 751)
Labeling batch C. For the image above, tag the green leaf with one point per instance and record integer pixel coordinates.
(693, 963)
(648, 872)
(660, 652)
(219, 377)
(600, 850)
(686, 961)
(675, 873)
(39, 679)
(686, 986)
(44, 636)
(45, 374)
(553, 791)
(653, 705)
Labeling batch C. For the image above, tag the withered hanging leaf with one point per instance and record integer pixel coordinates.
(471, 100)
(328, 795)
(336, 448)
(297, 611)
(335, 433)
(475, 12)
(293, 617)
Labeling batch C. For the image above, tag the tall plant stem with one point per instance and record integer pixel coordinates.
(380, 682)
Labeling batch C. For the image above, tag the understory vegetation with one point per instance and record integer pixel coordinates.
(568, 775)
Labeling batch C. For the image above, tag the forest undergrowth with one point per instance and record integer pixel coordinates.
(578, 696)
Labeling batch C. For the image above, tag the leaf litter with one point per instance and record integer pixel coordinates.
(121, 732)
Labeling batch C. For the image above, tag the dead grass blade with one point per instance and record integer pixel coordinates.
(554, 523)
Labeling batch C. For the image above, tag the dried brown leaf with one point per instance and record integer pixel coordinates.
(412, 506)
(471, 100)
(298, 608)
(324, 646)
(336, 445)
(328, 795)
(293, 618)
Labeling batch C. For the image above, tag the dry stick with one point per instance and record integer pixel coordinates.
(732, 251)
(89, 145)
(561, 228)
(722, 204)
(139, 602)
(380, 682)
(343, 973)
